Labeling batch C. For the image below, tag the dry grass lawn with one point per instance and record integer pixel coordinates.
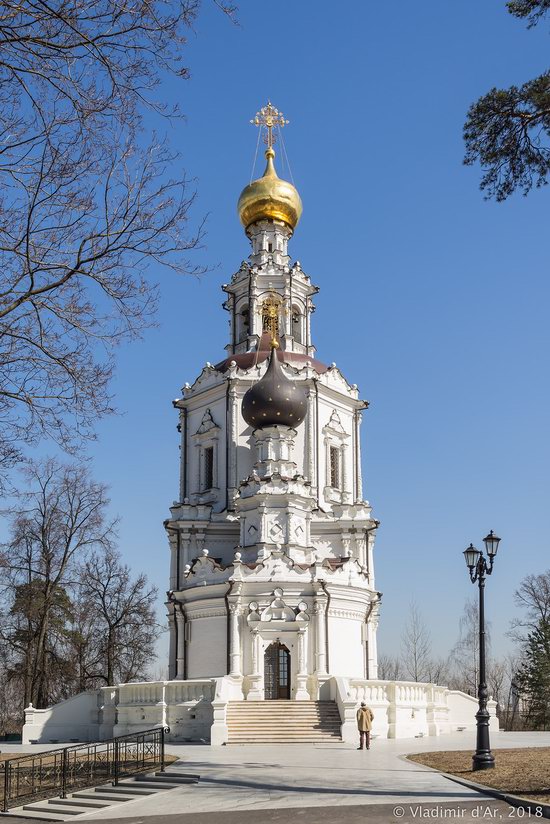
(523, 772)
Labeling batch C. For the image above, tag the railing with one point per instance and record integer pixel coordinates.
(57, 772)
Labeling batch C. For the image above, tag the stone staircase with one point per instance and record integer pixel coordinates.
(94, 799)
(283, 722)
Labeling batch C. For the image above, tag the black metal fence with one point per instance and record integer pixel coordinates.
(57, 772)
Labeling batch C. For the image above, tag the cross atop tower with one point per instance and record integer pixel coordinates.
(269, 117)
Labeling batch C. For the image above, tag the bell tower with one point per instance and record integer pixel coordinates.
(271, 539)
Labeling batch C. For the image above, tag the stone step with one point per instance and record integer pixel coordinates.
(289, 715)
(62, 810)
(149, 784)
(283, 705)
(283, 722)
(178, 774)
(258, 712)
(264, 722)
(72, 801)
(124, 789)
(21, 812)
(262, 736)
(165, 778)
(103, 796)
(237, 741)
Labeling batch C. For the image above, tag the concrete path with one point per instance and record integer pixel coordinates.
(298, 777)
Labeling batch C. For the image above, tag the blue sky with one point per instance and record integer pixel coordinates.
(432, 300)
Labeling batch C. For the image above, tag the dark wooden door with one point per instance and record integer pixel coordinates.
(277, 672)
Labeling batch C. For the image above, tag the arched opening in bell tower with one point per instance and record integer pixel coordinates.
(297, 325)
(243, 324)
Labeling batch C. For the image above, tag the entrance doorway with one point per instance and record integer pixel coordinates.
(277, 672)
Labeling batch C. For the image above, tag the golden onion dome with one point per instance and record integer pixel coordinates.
(270, 198)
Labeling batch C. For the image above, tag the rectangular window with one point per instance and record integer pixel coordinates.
(208, 467)
(334, 467)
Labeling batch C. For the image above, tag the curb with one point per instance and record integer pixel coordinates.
(513, 800)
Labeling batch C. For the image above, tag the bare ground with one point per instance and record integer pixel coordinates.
(522, 772)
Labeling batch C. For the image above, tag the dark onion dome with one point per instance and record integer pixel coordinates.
(274, 399)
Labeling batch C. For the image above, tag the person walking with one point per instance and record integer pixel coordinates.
(364, 725)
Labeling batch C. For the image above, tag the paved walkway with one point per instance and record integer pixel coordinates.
(310, 784)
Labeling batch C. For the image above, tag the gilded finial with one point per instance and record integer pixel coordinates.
(269, 197)
(269, 117)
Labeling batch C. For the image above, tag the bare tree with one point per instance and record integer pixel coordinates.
(53, 526)
(415, 646)
(86, 207)
(389, 668)
(438, 671)
(123, 628)
(533, 596)
(497, 678)
(465, 653)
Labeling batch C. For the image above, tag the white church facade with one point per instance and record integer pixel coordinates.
(272, 594)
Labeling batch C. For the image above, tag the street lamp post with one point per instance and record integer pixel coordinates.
(479, 567)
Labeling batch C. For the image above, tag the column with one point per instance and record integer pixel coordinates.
(320, 609)
(370, 559)
(359, 491)
(346, 544)
(172, 540)
(235, 668)
(255, 692)
(232, 470)
(180, 648)
(309, 456)
(185, 541)
(372, 643)
(346, 492)
(361, 543)
(172, 643)
(301, 676)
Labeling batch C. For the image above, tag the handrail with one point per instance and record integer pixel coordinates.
(60, 770)
(128, 735)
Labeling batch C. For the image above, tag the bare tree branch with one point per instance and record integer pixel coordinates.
(87, 210)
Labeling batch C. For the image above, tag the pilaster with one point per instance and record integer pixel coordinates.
(302, 675)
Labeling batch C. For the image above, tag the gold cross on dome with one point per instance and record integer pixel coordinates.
(269, 117)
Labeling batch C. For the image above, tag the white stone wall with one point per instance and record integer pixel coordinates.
(206, 650)
(195, 710)
(346, 655)
(76, 719)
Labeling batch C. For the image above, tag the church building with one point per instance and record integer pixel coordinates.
(271, 540)
(272, 603)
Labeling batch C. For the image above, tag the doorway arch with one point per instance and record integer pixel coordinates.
(277, 672)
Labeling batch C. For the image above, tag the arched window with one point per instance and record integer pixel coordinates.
(244, 324)
(297, 324)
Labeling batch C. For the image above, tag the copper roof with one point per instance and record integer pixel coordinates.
(249, 359)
